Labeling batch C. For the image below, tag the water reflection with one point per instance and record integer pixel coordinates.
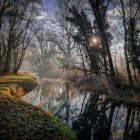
(90, 115)
(58, 97)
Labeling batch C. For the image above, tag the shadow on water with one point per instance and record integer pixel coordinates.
(89, 115)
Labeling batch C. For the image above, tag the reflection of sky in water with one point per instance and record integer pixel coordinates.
(54, 99)
(65, 101)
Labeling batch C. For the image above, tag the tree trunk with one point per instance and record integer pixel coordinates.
(7, 63)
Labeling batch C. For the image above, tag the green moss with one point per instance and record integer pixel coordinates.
(5, 90)
(20, 120)
(28, 83)
(62, 128)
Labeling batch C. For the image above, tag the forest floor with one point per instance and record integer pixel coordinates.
(20, 120)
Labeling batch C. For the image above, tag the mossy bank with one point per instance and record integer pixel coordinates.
(17, 85)
(21, 121)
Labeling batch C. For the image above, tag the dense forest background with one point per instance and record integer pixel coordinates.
(86, 37)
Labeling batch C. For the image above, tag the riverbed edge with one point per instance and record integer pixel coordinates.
(10, 100)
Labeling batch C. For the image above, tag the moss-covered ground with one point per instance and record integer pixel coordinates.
(22, 121)
(17, 85)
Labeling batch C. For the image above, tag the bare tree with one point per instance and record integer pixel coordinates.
(15, 33)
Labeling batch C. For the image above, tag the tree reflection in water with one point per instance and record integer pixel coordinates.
(93, 122)
(101, 120)
(60, 98)
(90, 115)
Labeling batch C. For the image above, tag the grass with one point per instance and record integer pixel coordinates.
(20, 120)
(17, 85)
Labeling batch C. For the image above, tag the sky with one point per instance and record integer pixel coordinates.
(50, 4)
(47, 9)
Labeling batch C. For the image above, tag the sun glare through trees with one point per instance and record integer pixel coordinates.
(70, 69)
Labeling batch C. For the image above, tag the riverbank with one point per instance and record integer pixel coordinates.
(20, 120)
(17, 85)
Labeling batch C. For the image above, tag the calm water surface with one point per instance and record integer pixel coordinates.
(88, 114)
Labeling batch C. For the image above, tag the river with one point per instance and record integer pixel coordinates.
(90, 115)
